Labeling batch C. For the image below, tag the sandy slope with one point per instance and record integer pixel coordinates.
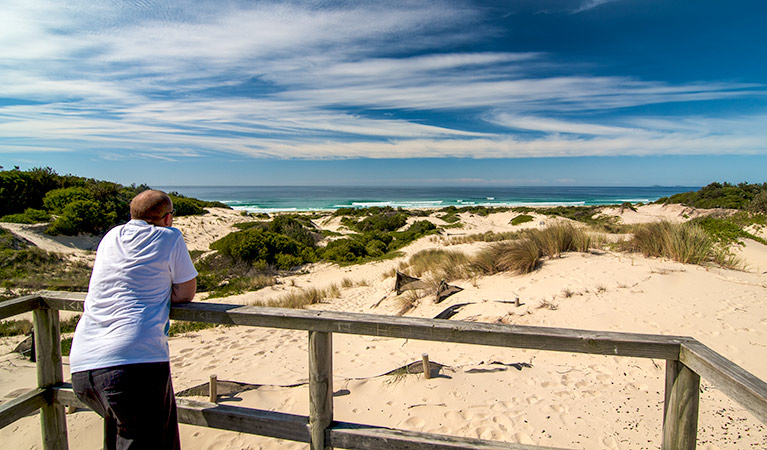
(545, 398)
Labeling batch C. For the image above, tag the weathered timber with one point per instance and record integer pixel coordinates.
(65, 301)
(320, 387)
(205, 414)
(19, 305)
(728, 377)
(295, 428)
(21, 406)
(213, 389)
(499, 335)
(680, 410)
(353, 436)
(50, 373)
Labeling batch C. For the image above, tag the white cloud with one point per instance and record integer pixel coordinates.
(295, 80)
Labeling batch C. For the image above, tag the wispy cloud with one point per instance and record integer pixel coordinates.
(300, 80)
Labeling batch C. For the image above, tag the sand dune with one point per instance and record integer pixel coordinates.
(535, 397)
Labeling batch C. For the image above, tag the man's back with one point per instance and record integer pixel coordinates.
(126, 310)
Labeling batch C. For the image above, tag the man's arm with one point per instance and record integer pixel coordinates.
(183, 292)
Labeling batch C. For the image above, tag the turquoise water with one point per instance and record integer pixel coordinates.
(314, 198)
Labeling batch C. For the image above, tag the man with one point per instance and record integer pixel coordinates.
(119, 359)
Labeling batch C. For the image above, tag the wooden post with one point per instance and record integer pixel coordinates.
(680, 409)
(516, 302)
(426, 368)
(213, 389)
(320, 387)
(53, 417)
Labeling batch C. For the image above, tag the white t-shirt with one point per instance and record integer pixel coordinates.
(128, 301)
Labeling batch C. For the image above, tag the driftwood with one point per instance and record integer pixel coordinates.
(445, 290)
(407, 283)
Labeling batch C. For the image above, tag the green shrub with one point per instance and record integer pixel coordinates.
(82, 216)
(296, 228)
(255, 245)
(344, 250)
(720, 195)
(522, 218)
(375, 248)
(58, 199)
(382, 222)
(29, 216)
(187, 206)
(759, 203)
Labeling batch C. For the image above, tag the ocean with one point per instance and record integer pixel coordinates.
(268, 199)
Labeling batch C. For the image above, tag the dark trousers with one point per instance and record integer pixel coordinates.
(136, 402)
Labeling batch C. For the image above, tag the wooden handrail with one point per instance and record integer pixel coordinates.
(687, 360)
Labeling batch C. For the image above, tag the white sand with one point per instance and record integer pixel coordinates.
(544, 398)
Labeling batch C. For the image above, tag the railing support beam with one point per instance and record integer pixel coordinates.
(320, 387)
(50, 373)
(680, 409)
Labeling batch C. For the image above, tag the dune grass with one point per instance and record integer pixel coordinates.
(301, 298)
(524, 255)
(440, 264)
(687, 243)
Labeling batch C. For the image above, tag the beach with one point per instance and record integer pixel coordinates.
(551, 399)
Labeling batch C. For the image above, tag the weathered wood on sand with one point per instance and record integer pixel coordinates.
(352, 436)
(50, 373)
(232, 418)
(21, 406)
(680, 410)
(19, 305)
(320, 387)
(728, 377)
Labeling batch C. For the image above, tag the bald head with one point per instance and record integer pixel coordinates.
(150, 205)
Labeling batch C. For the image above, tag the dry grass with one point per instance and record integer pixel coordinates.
(546, 304)
(407, 301)
(686, 243)
(524, 254)
(488, 236)
(440, 264)
(301, 298)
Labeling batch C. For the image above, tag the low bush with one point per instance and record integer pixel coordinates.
(722, 195)
(29, 216)
(220, 275)
(82, 216)
(255, 245)
(520, 219)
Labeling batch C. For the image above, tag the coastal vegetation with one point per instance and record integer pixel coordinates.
(25, 267)
(743, 196)
(73, 205)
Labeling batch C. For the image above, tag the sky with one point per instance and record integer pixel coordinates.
(409, 93)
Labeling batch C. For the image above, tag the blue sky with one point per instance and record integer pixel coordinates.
(532, 92)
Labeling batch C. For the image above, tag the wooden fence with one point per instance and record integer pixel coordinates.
(686, 361)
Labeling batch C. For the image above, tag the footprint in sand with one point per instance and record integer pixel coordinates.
(522, 438)
(487, 433)
(415, 422)
(533, 399)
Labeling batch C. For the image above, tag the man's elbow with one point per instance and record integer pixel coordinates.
(184, 292)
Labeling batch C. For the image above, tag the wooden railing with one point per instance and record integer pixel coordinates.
(686, 361)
